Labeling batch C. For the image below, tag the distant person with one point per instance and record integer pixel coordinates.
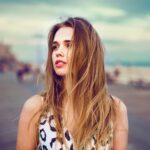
(19, 74)
(23, 70)
(75, 112)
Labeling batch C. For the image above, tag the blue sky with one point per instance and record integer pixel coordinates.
(124, 26)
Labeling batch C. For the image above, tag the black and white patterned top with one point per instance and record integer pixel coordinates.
(48, 140)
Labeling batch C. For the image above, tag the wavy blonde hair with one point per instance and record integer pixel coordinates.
(85, 86)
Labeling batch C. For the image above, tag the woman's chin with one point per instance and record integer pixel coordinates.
(60, 73)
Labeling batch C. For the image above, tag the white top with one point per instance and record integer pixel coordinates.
(48, 140)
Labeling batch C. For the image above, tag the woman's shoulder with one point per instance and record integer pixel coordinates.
(119, 104)
(120, 114)
(33, 103)
(28, 118)
(120, 124)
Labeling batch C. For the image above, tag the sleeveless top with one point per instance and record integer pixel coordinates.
(48, 140)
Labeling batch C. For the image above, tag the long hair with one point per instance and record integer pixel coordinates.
(85, 86)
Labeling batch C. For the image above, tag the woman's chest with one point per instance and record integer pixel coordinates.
(48, 137)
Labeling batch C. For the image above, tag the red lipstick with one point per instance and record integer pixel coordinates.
(60, 63)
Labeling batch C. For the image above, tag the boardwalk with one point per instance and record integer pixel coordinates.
(14, 94)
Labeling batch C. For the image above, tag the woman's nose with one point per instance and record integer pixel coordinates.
(60, 52)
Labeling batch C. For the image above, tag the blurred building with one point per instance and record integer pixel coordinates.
(7, 58)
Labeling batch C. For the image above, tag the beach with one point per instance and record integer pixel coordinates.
(130, 73)
(13, 94)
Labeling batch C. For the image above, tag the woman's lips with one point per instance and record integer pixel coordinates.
(60, 64)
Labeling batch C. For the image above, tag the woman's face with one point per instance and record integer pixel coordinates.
(61, 50)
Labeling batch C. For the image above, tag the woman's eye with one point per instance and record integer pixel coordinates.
(54, 47)
(68, 45)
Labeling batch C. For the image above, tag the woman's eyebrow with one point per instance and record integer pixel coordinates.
(55, 42)
(65, 41)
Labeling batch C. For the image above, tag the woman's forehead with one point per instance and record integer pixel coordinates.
(64, 33)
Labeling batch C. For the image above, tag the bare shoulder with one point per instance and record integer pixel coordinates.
(120, 123)
(120, 105)
(121, 116)
(30, 110)
(27, 128)
(33, 103)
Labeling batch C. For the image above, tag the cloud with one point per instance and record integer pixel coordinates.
(132, 7)
(107, 11)
(128, 32)
(122, 26)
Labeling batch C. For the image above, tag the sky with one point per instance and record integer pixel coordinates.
(123, 26)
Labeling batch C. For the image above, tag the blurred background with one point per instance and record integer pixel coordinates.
(124, 27)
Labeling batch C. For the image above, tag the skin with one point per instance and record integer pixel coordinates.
(26, 138)
(62, 49)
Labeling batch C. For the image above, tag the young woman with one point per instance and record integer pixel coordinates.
(76, 111)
